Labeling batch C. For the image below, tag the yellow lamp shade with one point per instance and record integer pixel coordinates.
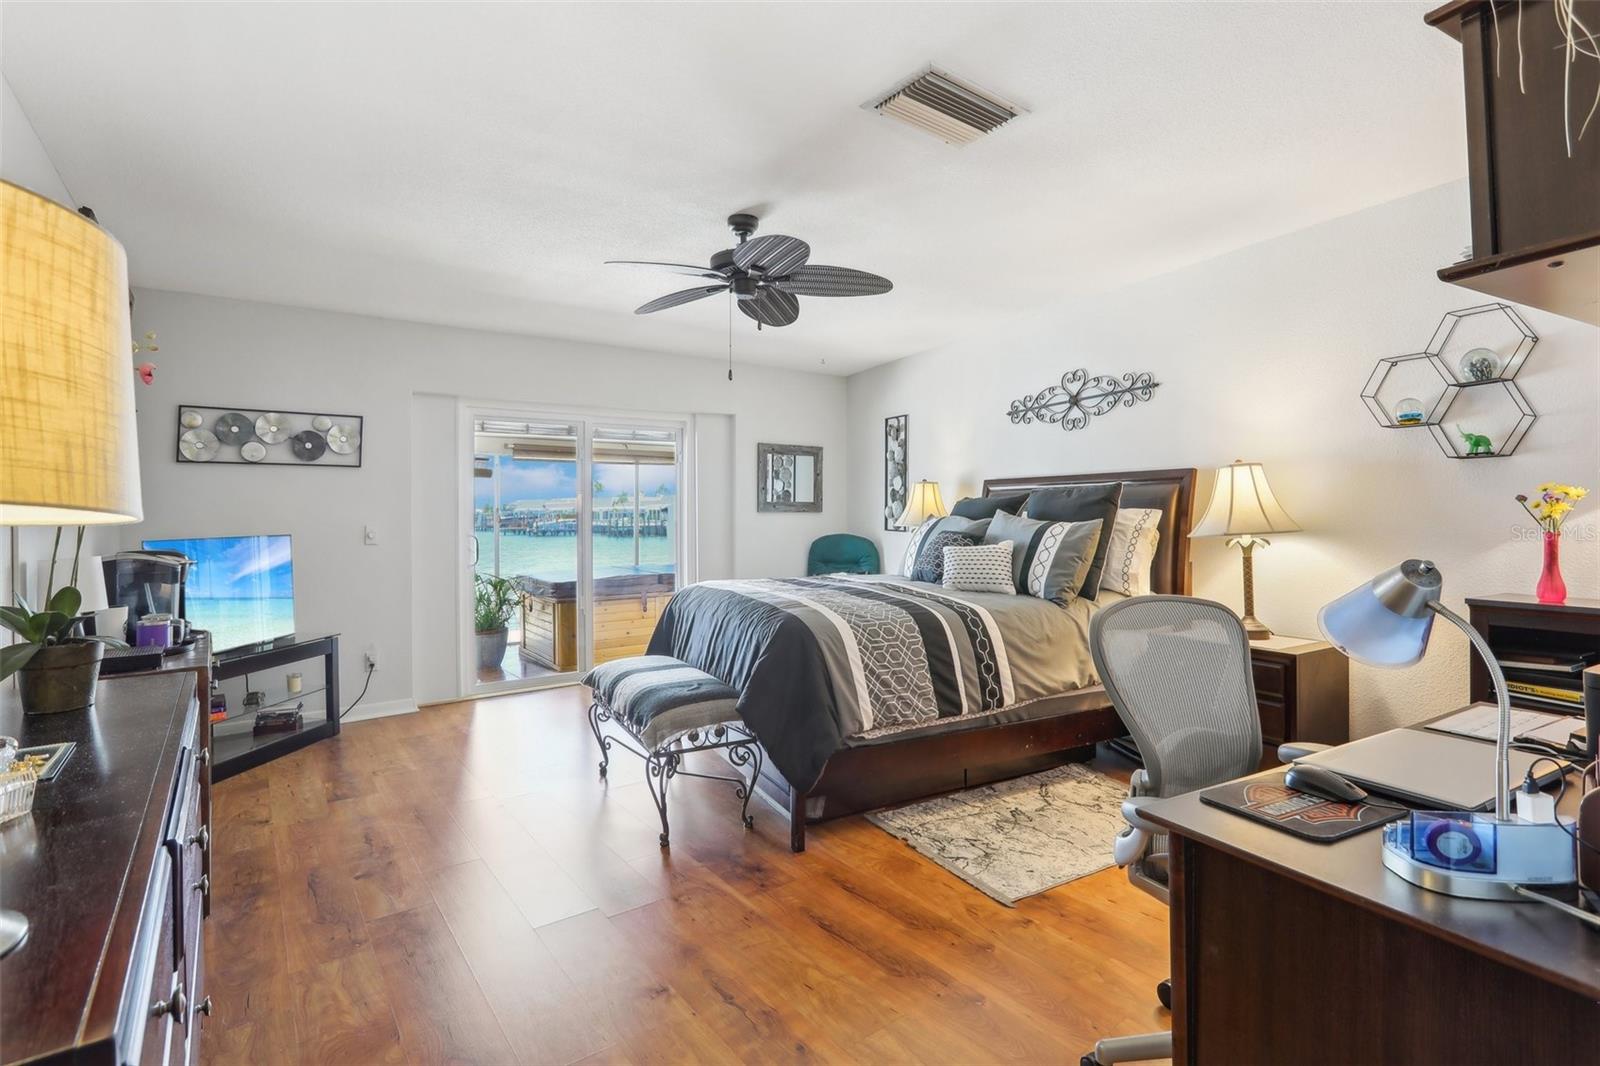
(922, 503)
(1243, 505)
(69, 450)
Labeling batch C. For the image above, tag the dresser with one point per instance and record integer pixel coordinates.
(1302, 690)
(109, 869)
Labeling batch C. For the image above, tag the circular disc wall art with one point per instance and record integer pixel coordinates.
(272, 427)
(198, 445)
(308, 445)
(234, 428)
(343, 439)
(192, 419)
(322, 423)
(253, 451)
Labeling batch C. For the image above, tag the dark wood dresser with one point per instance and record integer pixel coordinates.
(108, 868)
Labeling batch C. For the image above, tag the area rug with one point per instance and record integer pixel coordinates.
(1017, 838)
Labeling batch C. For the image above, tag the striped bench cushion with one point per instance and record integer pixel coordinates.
(658, 698)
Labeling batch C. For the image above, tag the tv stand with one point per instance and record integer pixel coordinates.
(263, 668)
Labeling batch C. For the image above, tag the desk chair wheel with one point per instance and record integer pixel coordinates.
(1164, 993)
(1089, 1060)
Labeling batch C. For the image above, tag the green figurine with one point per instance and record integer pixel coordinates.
(1477, 443)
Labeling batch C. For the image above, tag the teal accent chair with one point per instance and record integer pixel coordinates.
(842, 553)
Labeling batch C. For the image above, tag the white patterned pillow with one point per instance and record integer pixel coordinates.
(979, 568)
(1133, 551)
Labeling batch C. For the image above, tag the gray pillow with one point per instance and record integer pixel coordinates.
(986, 506)
(1081, 503)
(1049, 559)
(950, 523)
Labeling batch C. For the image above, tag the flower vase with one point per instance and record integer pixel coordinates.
(1552, 589)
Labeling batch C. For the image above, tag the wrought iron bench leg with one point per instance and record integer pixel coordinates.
(598, 714)
(746, 753)
(660, 769)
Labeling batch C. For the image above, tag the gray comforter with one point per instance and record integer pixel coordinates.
(821, 662)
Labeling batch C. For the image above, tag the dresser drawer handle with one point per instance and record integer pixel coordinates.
(203, 886)
(174, 1006)
(205, 1006)
(203, 838)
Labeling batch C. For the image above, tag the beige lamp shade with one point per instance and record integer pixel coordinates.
(922, 503)
(1243, 505)
(69, 450)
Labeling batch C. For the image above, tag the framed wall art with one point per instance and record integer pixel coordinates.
(208, 434)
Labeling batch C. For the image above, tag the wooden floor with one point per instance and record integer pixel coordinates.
(457, 885)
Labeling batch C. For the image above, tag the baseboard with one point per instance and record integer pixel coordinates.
(387, 709)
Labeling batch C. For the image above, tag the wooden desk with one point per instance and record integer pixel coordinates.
(1287, 951)
(107, 868)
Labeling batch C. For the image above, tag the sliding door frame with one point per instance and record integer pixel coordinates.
(583, 421)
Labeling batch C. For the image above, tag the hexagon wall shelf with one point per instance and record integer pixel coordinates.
(1496, 328)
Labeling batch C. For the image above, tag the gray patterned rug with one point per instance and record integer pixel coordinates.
(1017, 838)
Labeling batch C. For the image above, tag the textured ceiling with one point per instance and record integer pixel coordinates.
(472, 164)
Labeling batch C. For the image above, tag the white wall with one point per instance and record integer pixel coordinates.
(407, 380)
(1262, 354)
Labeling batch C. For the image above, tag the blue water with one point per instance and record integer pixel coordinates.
(556, 558)
(233, 622)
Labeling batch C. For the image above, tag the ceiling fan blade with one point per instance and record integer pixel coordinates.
(818, 280)
(676, 268)
(673, 299)
(771, 307)
(773, 254)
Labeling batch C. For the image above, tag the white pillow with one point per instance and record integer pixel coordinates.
(980, 568)
(1132, 550)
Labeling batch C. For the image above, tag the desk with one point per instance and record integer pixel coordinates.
(1287, 951)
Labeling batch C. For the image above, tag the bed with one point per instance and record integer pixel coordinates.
(867, 691)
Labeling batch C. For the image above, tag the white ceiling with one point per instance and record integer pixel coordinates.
(472, 164)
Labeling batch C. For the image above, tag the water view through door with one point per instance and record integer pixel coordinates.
(576, 528)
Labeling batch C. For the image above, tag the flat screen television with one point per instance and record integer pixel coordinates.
(241, 589)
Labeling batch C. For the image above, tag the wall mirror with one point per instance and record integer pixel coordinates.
(788, 477)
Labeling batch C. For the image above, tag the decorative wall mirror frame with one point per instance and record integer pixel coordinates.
(788, 478)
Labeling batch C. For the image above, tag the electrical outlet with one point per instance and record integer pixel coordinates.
(372, 656)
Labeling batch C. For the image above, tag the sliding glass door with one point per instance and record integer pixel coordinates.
(576, 543)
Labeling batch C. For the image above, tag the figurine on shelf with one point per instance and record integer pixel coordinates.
(1408, 412)
(1480, 364)
(1477, 443)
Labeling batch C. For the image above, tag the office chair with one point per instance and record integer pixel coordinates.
(1177, 669)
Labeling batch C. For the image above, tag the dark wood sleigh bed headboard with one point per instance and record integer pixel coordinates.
(1170, 490)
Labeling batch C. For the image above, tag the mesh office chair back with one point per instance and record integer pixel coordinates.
(1177, 670)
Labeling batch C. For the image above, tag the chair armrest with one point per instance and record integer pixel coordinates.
(1299, 749)
(1131, 812)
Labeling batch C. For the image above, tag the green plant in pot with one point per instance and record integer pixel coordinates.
(494, 601)
(57, 666)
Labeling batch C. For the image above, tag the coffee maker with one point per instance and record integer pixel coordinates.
(149, 583)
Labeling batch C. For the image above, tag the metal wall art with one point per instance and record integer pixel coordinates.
(1079, 396)
(894, 470)
(267, 438)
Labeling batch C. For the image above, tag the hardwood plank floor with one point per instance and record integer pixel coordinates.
(457, 885)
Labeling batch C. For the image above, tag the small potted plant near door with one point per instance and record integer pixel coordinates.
(495, 599)
(57, 666)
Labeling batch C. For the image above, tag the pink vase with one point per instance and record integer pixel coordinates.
(1551, 588)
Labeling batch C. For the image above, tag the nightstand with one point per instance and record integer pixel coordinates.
(1302, 690)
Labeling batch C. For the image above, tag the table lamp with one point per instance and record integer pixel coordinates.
(69, 449)
(922, 503)
(1244, 509)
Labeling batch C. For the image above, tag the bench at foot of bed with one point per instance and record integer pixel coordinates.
(670, 710)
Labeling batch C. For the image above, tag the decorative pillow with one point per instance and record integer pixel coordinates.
(1081, 503)
(952, 523)
(1132, 551)
(986, 506)
(1050, 558)
(930, 562)
(979, 568)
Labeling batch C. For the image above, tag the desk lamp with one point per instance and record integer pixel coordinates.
(69, 448)
(1386, 622)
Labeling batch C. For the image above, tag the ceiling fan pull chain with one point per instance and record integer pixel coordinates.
(730, 334)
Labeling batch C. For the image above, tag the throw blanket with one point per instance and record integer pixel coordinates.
(821, 660)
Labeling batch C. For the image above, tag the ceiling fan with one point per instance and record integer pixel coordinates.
(765, 276)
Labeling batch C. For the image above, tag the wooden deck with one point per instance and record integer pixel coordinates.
(456, 885)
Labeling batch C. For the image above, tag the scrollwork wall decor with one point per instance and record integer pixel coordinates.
(1080, 396)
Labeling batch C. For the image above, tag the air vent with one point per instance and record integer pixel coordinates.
(951, 110)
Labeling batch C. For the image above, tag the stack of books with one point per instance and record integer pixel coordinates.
(1547, 679)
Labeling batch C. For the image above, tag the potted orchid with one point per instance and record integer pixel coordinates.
(1549, 507)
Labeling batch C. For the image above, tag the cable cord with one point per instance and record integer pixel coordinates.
(370, 667)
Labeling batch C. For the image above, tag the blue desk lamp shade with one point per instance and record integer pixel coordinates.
(1367, 629)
